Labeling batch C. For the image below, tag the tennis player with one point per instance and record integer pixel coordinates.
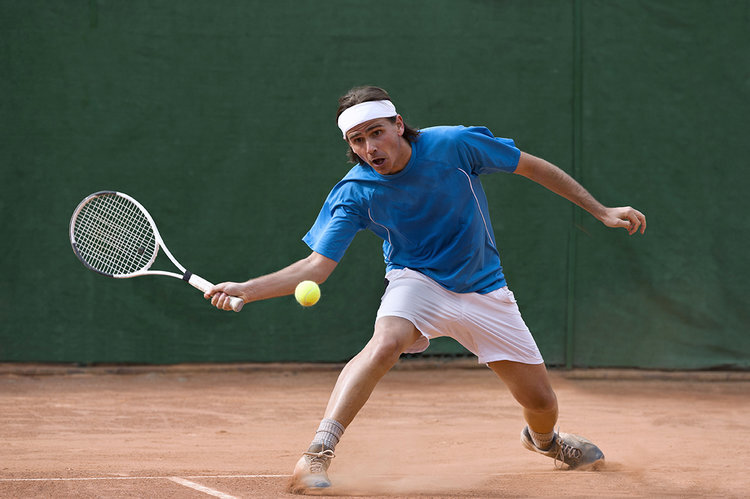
(420, 192)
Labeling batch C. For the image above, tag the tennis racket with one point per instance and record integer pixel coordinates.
(113, 234)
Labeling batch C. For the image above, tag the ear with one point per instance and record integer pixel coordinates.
(400, 125)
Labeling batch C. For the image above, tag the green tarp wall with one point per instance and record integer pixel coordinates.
(219, 117)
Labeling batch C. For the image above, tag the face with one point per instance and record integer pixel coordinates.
(381, 144)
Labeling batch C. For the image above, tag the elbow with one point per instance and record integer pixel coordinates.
(320, 276)
(319, 267)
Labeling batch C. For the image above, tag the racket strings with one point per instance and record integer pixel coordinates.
(113, 236)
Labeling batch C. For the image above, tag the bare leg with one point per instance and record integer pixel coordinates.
(357, 380)
(530, 386)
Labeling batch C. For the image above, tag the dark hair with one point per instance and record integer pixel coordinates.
(358, 95)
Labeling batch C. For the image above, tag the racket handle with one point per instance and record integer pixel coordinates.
(202, 284)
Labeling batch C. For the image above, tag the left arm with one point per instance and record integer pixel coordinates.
(553, 178)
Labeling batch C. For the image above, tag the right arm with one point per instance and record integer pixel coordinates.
(315, 267)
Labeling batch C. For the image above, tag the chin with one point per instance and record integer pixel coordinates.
(383, 168)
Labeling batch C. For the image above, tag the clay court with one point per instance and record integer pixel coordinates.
(440, 429)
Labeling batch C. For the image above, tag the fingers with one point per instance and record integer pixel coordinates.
(218, 297)
(642, 219)
(636, 220)
(221, 301)
(628, 218)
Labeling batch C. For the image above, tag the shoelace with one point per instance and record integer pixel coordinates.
(566, 451)
(318, 460)
(570, 451)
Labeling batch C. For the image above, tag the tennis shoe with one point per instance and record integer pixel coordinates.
(310, 474)
(576, 452)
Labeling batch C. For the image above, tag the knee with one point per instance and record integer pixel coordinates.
(540, 401)
(391, 337)
(383, 350)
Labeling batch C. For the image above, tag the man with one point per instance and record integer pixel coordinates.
(420, 192)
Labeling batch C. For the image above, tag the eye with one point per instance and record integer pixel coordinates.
(375, 133)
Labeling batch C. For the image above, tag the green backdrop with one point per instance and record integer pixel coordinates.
(219, 117)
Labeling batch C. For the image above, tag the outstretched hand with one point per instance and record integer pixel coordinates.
(221, 293)
(625, 217)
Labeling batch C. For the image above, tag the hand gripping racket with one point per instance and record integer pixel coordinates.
(114, 235)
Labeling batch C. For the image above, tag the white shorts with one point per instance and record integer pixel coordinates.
(490, 326)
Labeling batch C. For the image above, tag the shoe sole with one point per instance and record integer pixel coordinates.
(301, 489)
(298, 484)
(595, 466)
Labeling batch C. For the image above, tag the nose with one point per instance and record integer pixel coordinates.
(371, 147)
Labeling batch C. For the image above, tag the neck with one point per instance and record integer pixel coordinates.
(404, 155)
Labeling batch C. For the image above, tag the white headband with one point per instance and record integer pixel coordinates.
(365, 111)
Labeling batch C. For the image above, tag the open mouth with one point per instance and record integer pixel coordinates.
(378, 162)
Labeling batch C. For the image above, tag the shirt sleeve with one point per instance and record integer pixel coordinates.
(487, 153)
(334, 229)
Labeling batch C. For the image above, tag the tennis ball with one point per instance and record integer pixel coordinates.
(307, 293)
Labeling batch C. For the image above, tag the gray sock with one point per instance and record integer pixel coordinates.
(329, 432)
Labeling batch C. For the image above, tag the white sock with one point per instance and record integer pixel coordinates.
(329, 432)
(542, 440)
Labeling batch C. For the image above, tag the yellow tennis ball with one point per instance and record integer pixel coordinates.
(307, 293)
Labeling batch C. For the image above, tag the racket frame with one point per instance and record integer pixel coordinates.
(194, 280)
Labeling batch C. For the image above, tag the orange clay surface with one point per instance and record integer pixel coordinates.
(440, 429)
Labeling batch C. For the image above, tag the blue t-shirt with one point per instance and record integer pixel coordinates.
(432, 215)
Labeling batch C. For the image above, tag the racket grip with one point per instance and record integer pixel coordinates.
(202, 284)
